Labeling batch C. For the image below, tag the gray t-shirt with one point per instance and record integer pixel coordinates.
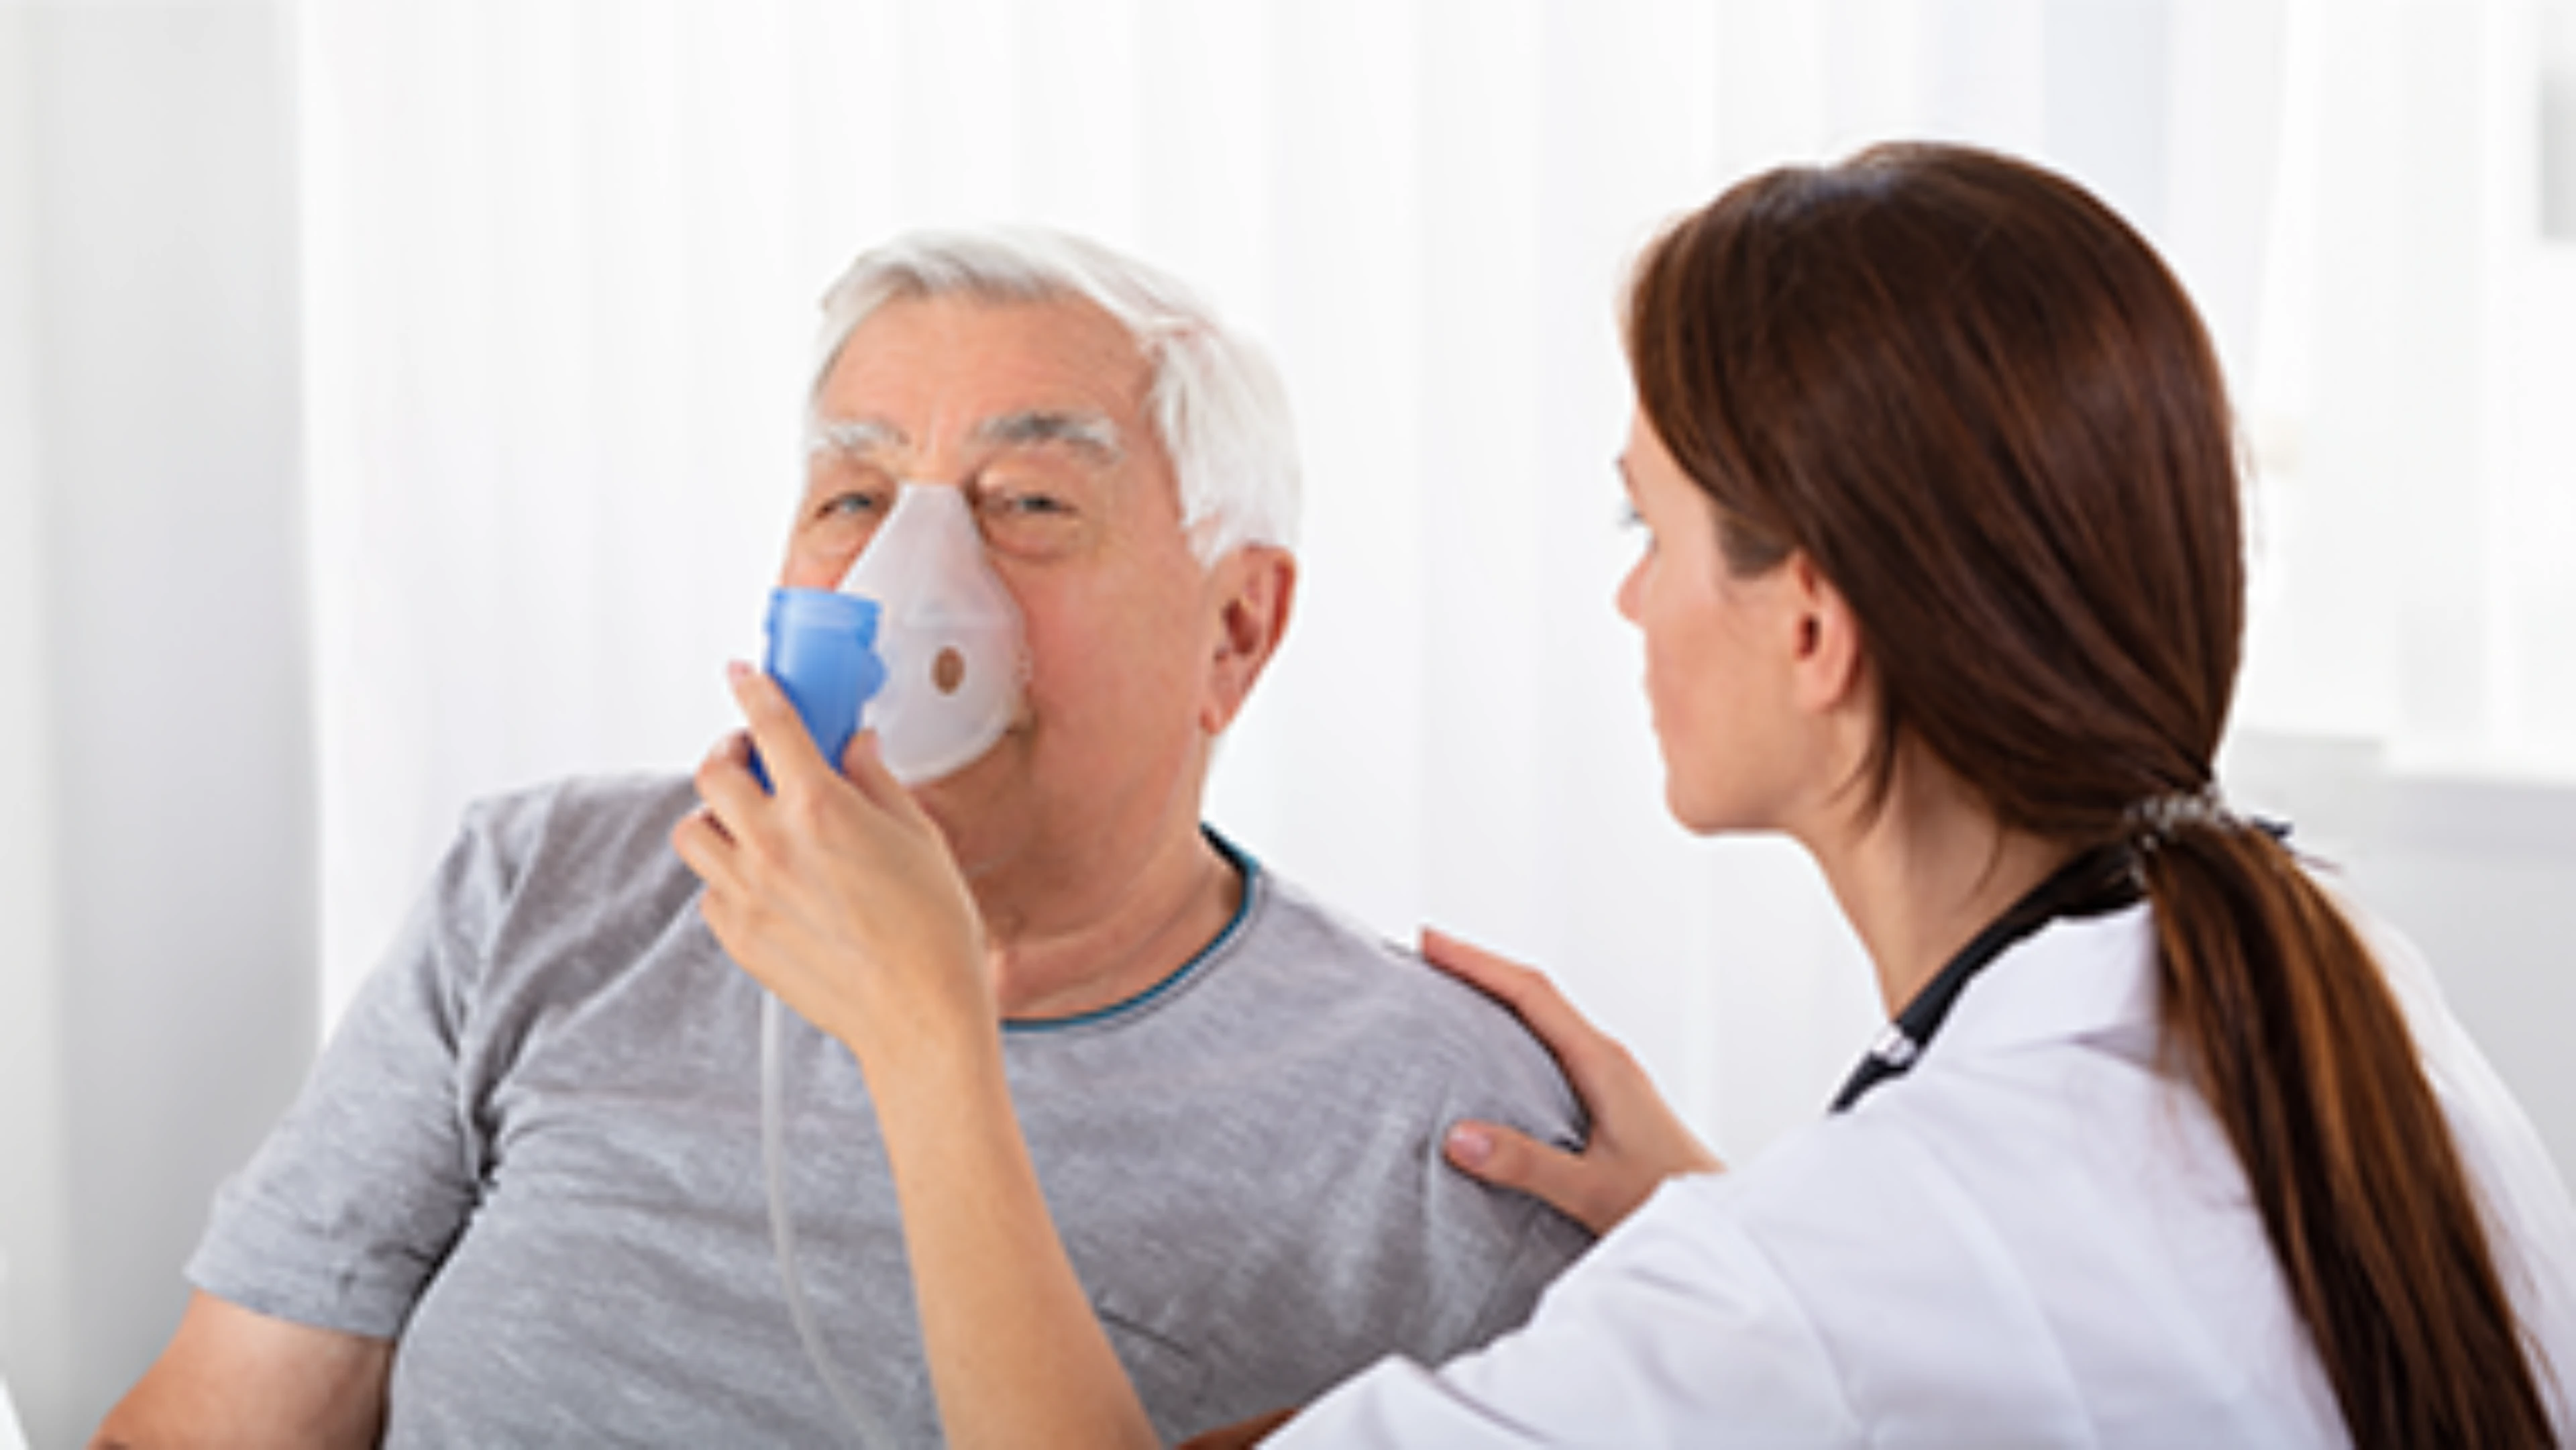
(532, 1153)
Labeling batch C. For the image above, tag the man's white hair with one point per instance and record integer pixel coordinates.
(1215, 400)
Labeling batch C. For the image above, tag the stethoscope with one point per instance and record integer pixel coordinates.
(2095, 883)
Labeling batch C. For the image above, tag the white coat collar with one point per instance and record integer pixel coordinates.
(2073, 978)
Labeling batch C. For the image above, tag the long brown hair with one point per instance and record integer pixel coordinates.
(1985, 409)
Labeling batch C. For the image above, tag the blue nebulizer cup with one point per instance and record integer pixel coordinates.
(822, 653)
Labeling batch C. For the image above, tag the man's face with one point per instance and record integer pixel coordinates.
(1037, 411)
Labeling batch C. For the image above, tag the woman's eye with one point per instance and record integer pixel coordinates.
(1633, 522)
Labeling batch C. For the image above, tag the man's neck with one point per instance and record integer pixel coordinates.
(1061, 950)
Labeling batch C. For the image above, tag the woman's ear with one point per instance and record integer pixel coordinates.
(1250, 592)
(1827, 658)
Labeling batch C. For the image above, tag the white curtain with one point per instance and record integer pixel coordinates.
(2411, 401)
(560, 261)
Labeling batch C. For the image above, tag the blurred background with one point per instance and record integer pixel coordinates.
(399, 403)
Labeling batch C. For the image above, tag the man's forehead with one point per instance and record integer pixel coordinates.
(917, 355)
(1087, 429)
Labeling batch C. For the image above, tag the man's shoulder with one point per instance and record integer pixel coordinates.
(1308, 946)
(583, 837)
(1339, 976)
(584, 801)
(633, 811)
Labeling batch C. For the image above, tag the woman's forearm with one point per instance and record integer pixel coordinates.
(1016, 1354)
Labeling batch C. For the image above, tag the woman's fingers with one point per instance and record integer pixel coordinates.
(1637, 1140)
(1595, 1063)
(1524, 990)
(1506, 1158)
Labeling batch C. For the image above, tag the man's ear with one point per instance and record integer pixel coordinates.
(1249, 593)
(1827, 655)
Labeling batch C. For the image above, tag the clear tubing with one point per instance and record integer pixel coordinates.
(782, 1230)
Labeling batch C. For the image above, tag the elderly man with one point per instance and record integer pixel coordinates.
(523, 1198)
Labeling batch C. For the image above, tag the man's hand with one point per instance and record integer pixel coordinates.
(839, 894)
(836, 892)
(1637, 1141)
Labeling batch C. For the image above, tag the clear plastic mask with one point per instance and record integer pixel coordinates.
(947, 630)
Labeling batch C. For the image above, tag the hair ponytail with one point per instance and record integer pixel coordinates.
(2278, 1012)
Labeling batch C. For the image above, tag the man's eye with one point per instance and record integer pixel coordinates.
(857, 504)
(1032, 522)
(1025, 504)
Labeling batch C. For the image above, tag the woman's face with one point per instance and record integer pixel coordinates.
(1721, 652)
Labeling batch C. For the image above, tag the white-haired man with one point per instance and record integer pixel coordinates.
(522, 1199)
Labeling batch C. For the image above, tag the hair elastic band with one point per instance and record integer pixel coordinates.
(2157, 820)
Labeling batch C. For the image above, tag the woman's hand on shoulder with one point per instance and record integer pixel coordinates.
(1637, 1140)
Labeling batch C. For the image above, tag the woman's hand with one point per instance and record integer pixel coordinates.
(837, 892)
(1637, 1141)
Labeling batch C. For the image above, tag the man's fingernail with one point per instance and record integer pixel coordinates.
(737, 671)
(1470, 1144)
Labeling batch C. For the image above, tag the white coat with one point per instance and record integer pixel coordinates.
(2039, 1236)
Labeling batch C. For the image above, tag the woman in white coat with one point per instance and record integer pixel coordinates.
(1944, 579)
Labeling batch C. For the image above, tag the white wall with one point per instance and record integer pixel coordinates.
(2476, 872)
(157, 980)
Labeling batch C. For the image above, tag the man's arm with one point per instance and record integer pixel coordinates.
(234, 1377)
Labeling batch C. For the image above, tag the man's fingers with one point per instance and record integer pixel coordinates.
(777, 731)
(706, 849)
(863, 765)
(725, 782)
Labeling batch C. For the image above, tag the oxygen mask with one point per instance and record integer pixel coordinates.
(947, 632)
(921, 643)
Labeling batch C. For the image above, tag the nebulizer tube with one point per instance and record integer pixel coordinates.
(782, 1230)
(923, 645)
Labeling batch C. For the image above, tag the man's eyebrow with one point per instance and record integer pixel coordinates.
(1088, 432)
(855, 436)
